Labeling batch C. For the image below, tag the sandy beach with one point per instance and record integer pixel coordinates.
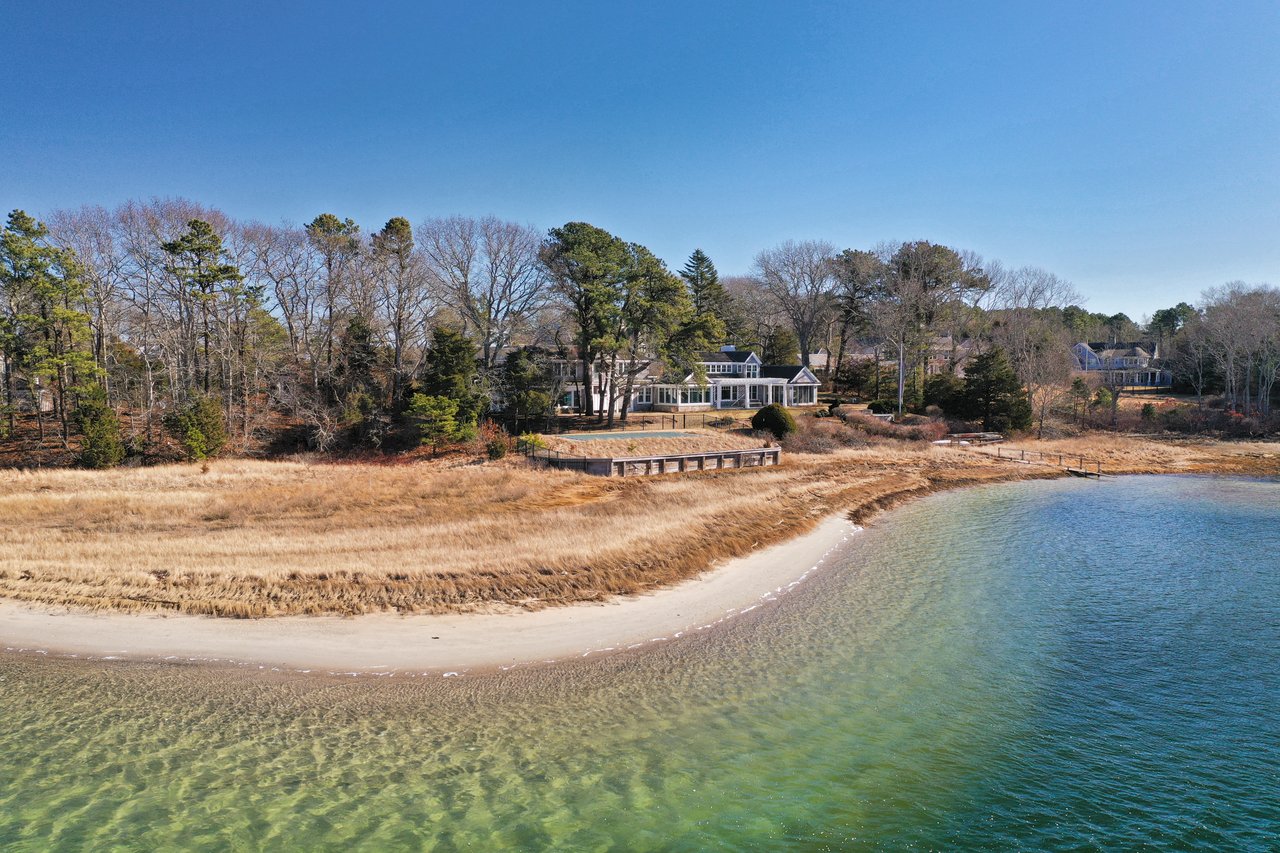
(439, 645)
(88, 573)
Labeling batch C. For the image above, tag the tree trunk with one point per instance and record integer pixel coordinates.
(61, 408)
(8, 394)
(902, 375)
(608, 395)
(39, 414)
(628, 390)
(587, 406)
(834, 371)
(205, 321)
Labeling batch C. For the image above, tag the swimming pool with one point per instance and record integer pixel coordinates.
(614, 435)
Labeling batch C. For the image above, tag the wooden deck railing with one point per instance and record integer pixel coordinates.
(1075, 463)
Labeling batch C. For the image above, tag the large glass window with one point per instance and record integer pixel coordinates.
(695, 395)
(753, 371)
(667, 396)
(644, 395)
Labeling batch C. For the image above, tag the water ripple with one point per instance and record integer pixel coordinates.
(1061, 665)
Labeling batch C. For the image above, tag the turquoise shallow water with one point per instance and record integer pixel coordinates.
(1065, 665)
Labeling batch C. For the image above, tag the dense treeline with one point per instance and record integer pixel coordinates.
(166, 324)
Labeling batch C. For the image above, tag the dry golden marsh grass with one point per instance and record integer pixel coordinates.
(272, 538)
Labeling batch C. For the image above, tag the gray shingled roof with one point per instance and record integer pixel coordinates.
(780, 371)
(737, 356)
(1121, 349)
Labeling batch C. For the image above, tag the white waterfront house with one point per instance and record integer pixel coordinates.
(730, 379)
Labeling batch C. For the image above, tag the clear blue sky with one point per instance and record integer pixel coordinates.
(1133, 148)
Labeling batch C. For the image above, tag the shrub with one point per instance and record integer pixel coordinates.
(928, 431)
(811, 441)
(932, 431)
(492, 439)
(944, 391)
(774, 419)
(1183, 419)
(437, 419)
(882, 407)
(199, 428)
(101, 445)
(1236, 425)
(532, 441)
(1148, 412)
(824, 436)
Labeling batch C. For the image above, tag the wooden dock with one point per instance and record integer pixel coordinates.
(1076, 466)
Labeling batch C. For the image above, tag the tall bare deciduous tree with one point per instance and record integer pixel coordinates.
(1241, 324)
(488, 271)
(1036, 341)
(800, 278)
(403, 304)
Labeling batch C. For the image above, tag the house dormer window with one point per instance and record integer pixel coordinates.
(753, 371)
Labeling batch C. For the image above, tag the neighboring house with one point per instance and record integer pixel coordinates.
(1133, 364)
(820, 360)
(26, 396)
(945, 355)
(733, 379)
(861, 351)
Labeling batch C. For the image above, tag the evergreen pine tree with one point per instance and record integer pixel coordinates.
(437, 419)
(101, 445)
(199, 428)
(708, 295)
(780, 346)
(993, 394)
(450, 370)
(44, 334)
(196, 259)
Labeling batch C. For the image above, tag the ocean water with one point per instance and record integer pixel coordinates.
(1066, 665)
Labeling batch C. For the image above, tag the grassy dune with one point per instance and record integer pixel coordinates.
(272, 538)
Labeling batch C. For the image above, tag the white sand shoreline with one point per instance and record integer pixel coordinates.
(421, 645)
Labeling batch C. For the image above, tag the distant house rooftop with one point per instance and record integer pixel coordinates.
(727, 355)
